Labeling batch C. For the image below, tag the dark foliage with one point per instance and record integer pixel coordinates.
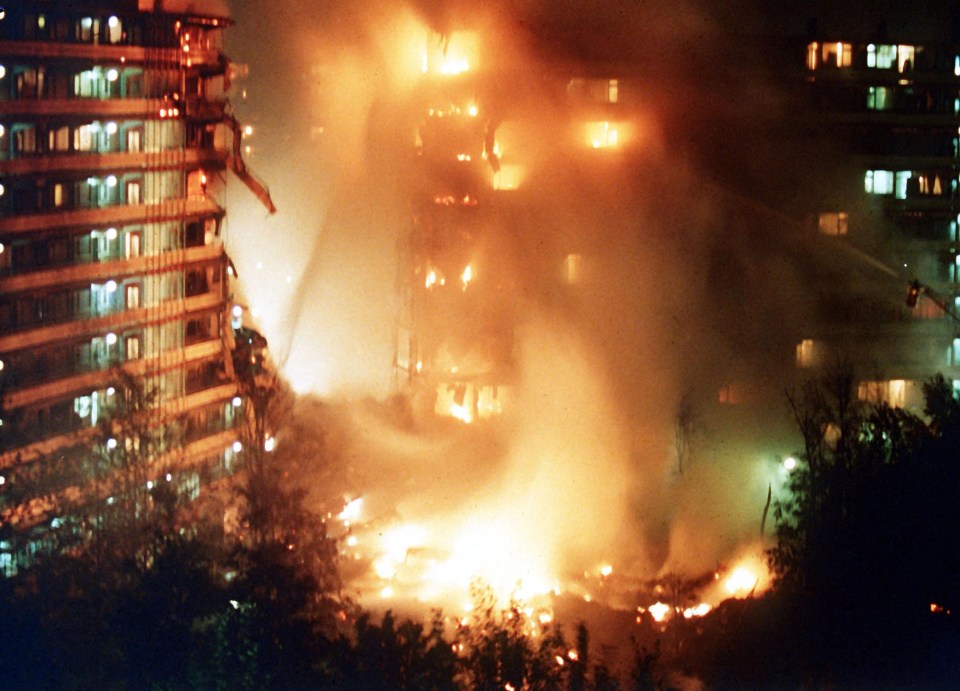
(866, 543)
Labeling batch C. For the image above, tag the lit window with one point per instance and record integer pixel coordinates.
(903, 177)
(838, 54)
(602, 135)
(881, 56)
(613, 91)
(806, 355)
(114, 29)
(906, 56)
(833, 223)
(880, 98)
(813, 50)
(132, 344)
(84, 139)
(878, 182)
(573, 268)
(893, 392)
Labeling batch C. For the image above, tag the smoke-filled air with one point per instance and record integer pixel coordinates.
(637, 288)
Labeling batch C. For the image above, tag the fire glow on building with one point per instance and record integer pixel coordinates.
(564, 274)
(521, 471)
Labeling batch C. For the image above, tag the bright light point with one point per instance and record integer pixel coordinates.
(237, 447)
(237, 401)
(700, 610)
(386, 592)
(111, 443)
(111, 338)
(789, 462)
(111, 181)
(111, 233)
(111, 391)
(234, 604)
(111, 286)
(351, 511)
(149, 484)
(113, 22)
(3, 131)
(248, 130)
(659, 611)
(454, 66)
(1, 365)
(3, 71)
(237, 311)
(112, 75)
(352, 541)
(385, 568)
(740, 581)
(472, 110)
(606, 570)
(269, 444)
(3, 480)
(168, 477)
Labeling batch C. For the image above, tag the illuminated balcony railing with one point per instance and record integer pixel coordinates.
(109, 270)
(118, 214)
(118, 161)
(111, 323)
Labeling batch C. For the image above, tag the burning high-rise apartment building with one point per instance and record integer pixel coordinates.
(844, 169)
(115, 323)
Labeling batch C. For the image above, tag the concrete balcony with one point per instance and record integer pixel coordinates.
(144, 316)
(109, 215)
(103, 271)
(89, 381)
(115, 162)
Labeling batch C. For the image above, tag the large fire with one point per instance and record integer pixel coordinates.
(552, 496)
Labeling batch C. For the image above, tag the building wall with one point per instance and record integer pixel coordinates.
(113, 279)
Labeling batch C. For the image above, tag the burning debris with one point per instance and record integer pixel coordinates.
(532, 219)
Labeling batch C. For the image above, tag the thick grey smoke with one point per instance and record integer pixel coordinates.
(688, 287)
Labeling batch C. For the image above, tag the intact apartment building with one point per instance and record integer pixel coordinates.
(867, 132)
(884, 111)
(115, 327)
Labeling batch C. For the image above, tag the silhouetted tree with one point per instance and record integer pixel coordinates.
(497, 650)
(863, 543)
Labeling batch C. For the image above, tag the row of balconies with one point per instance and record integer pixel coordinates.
(40, 308)
(52, 362)
(119, 29)
(870, 60)
(48, 259)
(51, 410)
(113, 216)
(42, 148)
